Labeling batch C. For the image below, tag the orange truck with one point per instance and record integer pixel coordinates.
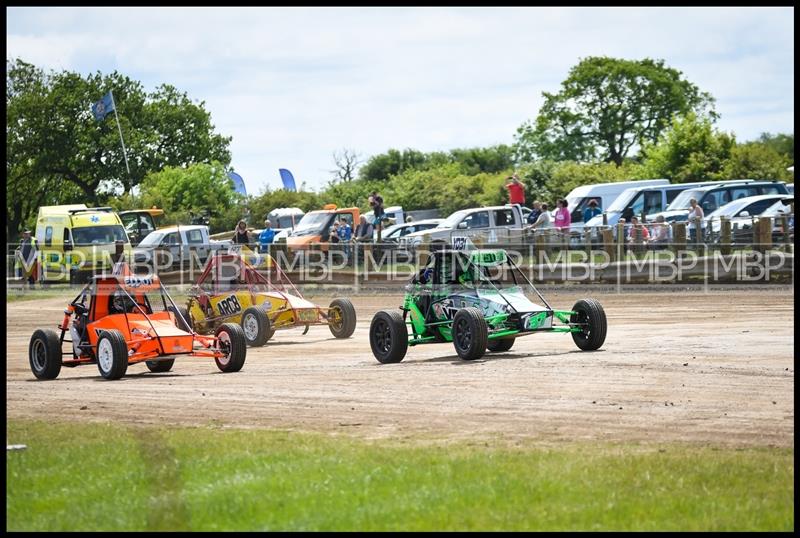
(316, 226)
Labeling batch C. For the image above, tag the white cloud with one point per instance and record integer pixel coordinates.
(293, 85)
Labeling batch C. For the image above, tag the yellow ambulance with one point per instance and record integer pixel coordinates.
(75, 241)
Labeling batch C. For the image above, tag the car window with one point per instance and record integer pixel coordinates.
(503, 217)
(652, 202)
(743, 192)
(48, 236)
(170, 239)
(672, 194)
(756, 208)
(348, 218)
(145, 224)
(769, 189)
(475, 220)
(194, 236)
(713, 200)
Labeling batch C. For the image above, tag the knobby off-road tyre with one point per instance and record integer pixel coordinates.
(44, 354)
(470, 333)
(593, 335)
(233, 343)
(342, 318)
(112, 354)
(388, 336)
(500, 345)
(256, 326)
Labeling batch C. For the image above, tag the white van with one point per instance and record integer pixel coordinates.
(638, 200)
(603, 193)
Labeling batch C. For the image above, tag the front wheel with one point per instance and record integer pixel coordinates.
(388, 336)
(591, 318)
(44, 354)
(256, 326)
(342, 318)
(112, 354)
(470, 333)
(232, 343)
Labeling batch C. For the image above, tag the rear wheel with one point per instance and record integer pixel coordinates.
(181, 316)
(44, 354)
(342, 318)
(112, 354)
(160, 366)
(231, 341)
(592, 319)
(256, 326)
(470, 334)
(500, 345)
(388, 336)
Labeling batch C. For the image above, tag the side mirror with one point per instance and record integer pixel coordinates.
(744, 214)
(67, 245)
(462, 225)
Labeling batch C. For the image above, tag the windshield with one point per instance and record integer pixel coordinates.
(778, 208)
(311, 223)
(682, 200)
(99, 235)
(618, 205)
(453, 220)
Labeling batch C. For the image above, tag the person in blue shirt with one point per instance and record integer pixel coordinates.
(266, 236)
(591, 211)
(345, 236)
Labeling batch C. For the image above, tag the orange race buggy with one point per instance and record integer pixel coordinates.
(123, 319)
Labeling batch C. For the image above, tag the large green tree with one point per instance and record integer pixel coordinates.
(607, 108)
(690, 150)
(55, 141)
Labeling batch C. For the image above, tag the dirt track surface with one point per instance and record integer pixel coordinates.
(713, 368)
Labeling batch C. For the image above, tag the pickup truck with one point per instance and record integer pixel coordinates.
(494, 224)
(177, 246)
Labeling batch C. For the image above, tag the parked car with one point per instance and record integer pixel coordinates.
(140, 222)
(742, 214)
(490, 224)
(603, 193)
(177, 246)
(315, 226)
(713, 196)
(397, 232)
(284, 218)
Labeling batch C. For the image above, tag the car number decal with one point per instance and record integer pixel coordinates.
(229, 305)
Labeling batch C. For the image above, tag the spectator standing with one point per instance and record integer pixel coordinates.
(266, 236)
(660, 235)
(364, 230)
(696, 223)
(376, 201)
(334, 235)
(637, 233)
(240, 235)
(536, 210)
(562, 217)
(543, 220)
(516, 190)
(345, 237)
(591, 211)
(28, 266)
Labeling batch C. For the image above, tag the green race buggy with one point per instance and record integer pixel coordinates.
(476, 300)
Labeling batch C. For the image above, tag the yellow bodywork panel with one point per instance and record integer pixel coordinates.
(283, 310)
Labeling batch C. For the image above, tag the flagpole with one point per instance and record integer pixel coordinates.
(124, 151)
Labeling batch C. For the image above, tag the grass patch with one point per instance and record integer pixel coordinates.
(88, 477)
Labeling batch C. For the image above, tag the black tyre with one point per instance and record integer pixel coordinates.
(233, 343)
(160, 366)
(256, 326)
(388, 336)
(112, 354)
(592, 318)
(503, 344)
(44, 354)
(470, 334)
(342, 318)
(182, 313)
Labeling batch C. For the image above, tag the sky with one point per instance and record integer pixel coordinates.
(294, 85)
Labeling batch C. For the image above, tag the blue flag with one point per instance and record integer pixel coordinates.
(288, 179)
(103, 107)
(238, 183)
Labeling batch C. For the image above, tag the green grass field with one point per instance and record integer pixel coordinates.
(76, 476)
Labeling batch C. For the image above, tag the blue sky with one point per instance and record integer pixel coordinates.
(294, 85)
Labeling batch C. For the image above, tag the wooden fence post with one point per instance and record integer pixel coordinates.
(678, 236)
(608, 244)
(620, 255)
(724, 235)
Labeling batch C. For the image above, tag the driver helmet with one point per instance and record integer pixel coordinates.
(121, 302)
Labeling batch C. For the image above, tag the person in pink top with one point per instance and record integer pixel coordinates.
(562, 219)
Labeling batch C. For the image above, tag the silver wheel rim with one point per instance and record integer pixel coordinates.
(225, 337)
(250, 327)
(105, 354)
(39, 355)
